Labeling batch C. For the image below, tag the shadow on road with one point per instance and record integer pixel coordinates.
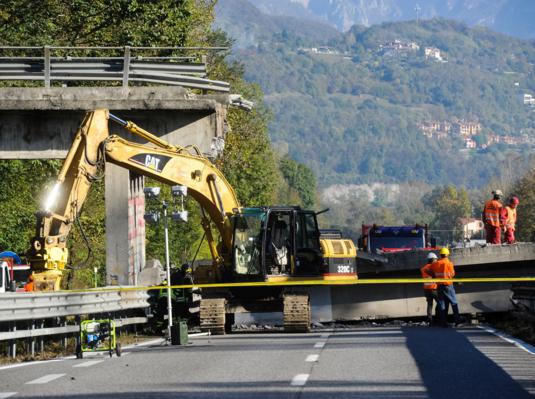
(452, 367)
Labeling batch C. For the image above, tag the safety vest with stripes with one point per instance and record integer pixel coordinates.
(443, 268)
(427, 273)
(510, 221)
(491, 213)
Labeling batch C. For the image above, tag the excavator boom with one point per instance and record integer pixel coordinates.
(92, 147)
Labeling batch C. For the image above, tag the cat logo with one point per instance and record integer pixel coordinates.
(151, 161)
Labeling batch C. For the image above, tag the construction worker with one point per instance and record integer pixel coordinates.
(508, 219)
(491, 218)
(443, 268)
(29, 287)
(430, 289)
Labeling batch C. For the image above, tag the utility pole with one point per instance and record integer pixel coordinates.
(417, 9)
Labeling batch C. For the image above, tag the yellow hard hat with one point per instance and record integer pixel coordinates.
(444, 251)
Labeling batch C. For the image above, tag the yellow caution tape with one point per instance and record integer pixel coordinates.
(318, 282)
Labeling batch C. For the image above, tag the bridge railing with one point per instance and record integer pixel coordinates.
(36, 315)
(180, 66)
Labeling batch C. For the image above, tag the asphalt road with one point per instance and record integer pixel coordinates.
(383, 362)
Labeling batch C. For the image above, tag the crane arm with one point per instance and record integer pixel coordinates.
(92, 147)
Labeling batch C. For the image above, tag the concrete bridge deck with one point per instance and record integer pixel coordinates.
(506, 257)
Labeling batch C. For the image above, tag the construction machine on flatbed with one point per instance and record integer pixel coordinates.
(261, 244)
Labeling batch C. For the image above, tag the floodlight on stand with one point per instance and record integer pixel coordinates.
(180, 216)
(179, 190)
(151, 217)
(151, 192)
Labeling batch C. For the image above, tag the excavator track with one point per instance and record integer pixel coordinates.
(212, 315)
(296, 312)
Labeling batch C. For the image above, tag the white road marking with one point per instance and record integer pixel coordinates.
(515, 341)
(46, 378)
(4, 395)
(312, 358)
(88, 364)
(319, 345)
(14, 366)
(299, 380)
(202, 334)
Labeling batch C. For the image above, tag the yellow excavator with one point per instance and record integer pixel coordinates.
(275, 243)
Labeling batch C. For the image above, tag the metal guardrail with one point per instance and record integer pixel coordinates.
(67, 329)
(44, 305)
(62, 64)
(23, 315)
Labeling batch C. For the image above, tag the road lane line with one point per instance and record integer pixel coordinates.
(299, 380)
(4, 395)
(319, 345)
(312, 358)
(88, 364)
(515, 341)
(14, 366)
(46, 378)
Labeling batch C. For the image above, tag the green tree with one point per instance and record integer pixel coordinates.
(524, 189)
(248, 160)
(448, 204)
(106, 22)
(301, 179)
(24, 187)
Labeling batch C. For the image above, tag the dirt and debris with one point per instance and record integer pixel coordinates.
(519, 324)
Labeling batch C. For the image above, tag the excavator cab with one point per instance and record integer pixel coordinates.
(275, 241)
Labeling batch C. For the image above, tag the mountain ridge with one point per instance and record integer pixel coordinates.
(513, 17)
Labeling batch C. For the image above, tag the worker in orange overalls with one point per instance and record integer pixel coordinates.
(430, 289)
(508, 218)
(491, 216)
(29, 287)
(443, 268)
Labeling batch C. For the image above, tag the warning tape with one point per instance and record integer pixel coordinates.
(317, 282)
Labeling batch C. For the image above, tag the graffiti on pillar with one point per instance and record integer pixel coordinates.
(136, 228)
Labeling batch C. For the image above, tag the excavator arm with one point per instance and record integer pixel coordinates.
(92, 147)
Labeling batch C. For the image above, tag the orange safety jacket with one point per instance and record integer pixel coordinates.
(29, 287)
(491, 213)
(428, 273)
(443, 268)
(509, 216)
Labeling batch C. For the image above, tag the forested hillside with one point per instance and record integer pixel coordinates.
(353, 111)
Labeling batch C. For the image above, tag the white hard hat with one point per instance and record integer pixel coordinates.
(497, 192)
(432, 255)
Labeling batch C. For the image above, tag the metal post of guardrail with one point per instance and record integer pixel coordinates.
(205, 62)
(46, 51)
(13, 342)
(65, 338)
(126, 65)
(33, 340)
(42, 340)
